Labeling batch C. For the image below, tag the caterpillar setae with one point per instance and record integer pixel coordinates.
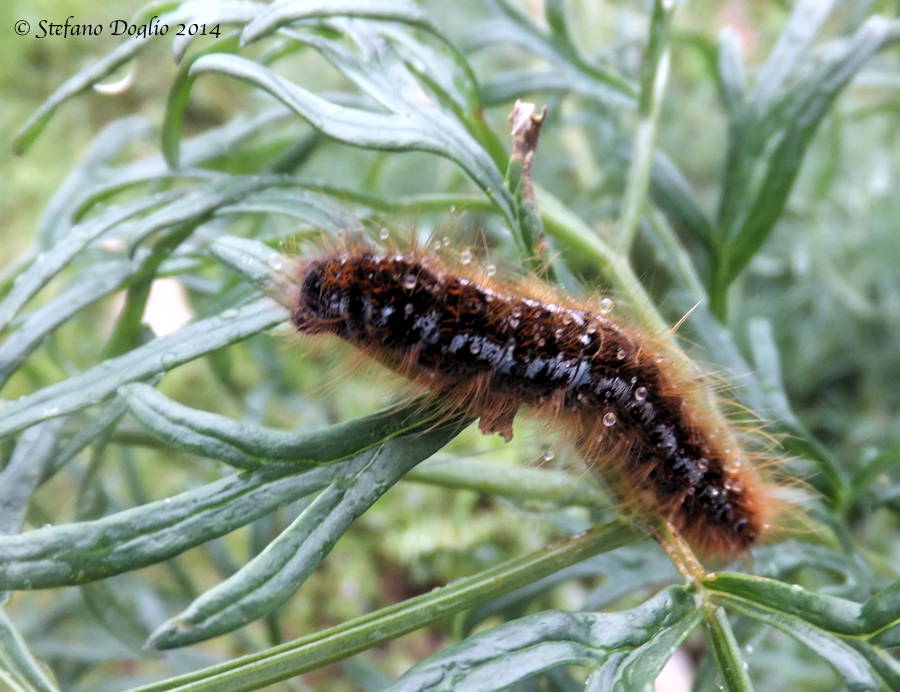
(490, 349)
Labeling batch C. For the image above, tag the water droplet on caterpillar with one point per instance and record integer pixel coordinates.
(384, 234)
(408, 309)
(606, 306)
(465, 256)
(640, 393)
(585, 339)
(609, 419)
(620, 354)
(491, 269)
(409, 282)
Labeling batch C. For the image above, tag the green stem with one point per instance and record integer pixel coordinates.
(307, 653)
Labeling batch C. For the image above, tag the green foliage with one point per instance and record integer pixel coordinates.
(370, 114)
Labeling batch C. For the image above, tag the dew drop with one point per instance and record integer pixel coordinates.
(409, 282)
(229, 314)
(275, 261)
(547, 456)
(446, 241)
(640, 393)
(465, 256)
(475, 347)
(541, 341)
(452, 208)
(408, 309)
(606, 306)
(513, 322)
(620, 354)
(491, 269)
(585, 339)
(384, 234)
(50, 411)
(609, 419)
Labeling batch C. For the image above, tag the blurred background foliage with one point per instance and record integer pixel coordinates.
(825, 282)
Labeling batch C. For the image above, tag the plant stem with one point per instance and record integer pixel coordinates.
(307, 653)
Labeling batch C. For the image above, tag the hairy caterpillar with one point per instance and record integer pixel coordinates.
(489, 349)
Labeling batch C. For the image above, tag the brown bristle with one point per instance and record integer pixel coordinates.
(491, 350)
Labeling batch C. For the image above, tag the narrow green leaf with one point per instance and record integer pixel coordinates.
(283, 12)
(84, 551)
(509, 653)
(77, 83)
(832, 627)
(160, 355)
(861, 666)
(22, 474)
(672, 193)
(654, 77)
(177, 101)
(258, 263)
(784, 560)
(881, 616)
(19, 667)
(509, 85)
(58, 215)
(807, 17)
(767, 144)
(827, 612)
(730, 69)
(511, 481)
(48, 264)
(274, 575)
(247, 446)
(67, 554)
(626, 570)
(768, 364)
(86, 288)
(114, 605)
(316, 210)
(282, 662)
(410, 128)
(731, 665)
(513, 25)
(217, 13)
